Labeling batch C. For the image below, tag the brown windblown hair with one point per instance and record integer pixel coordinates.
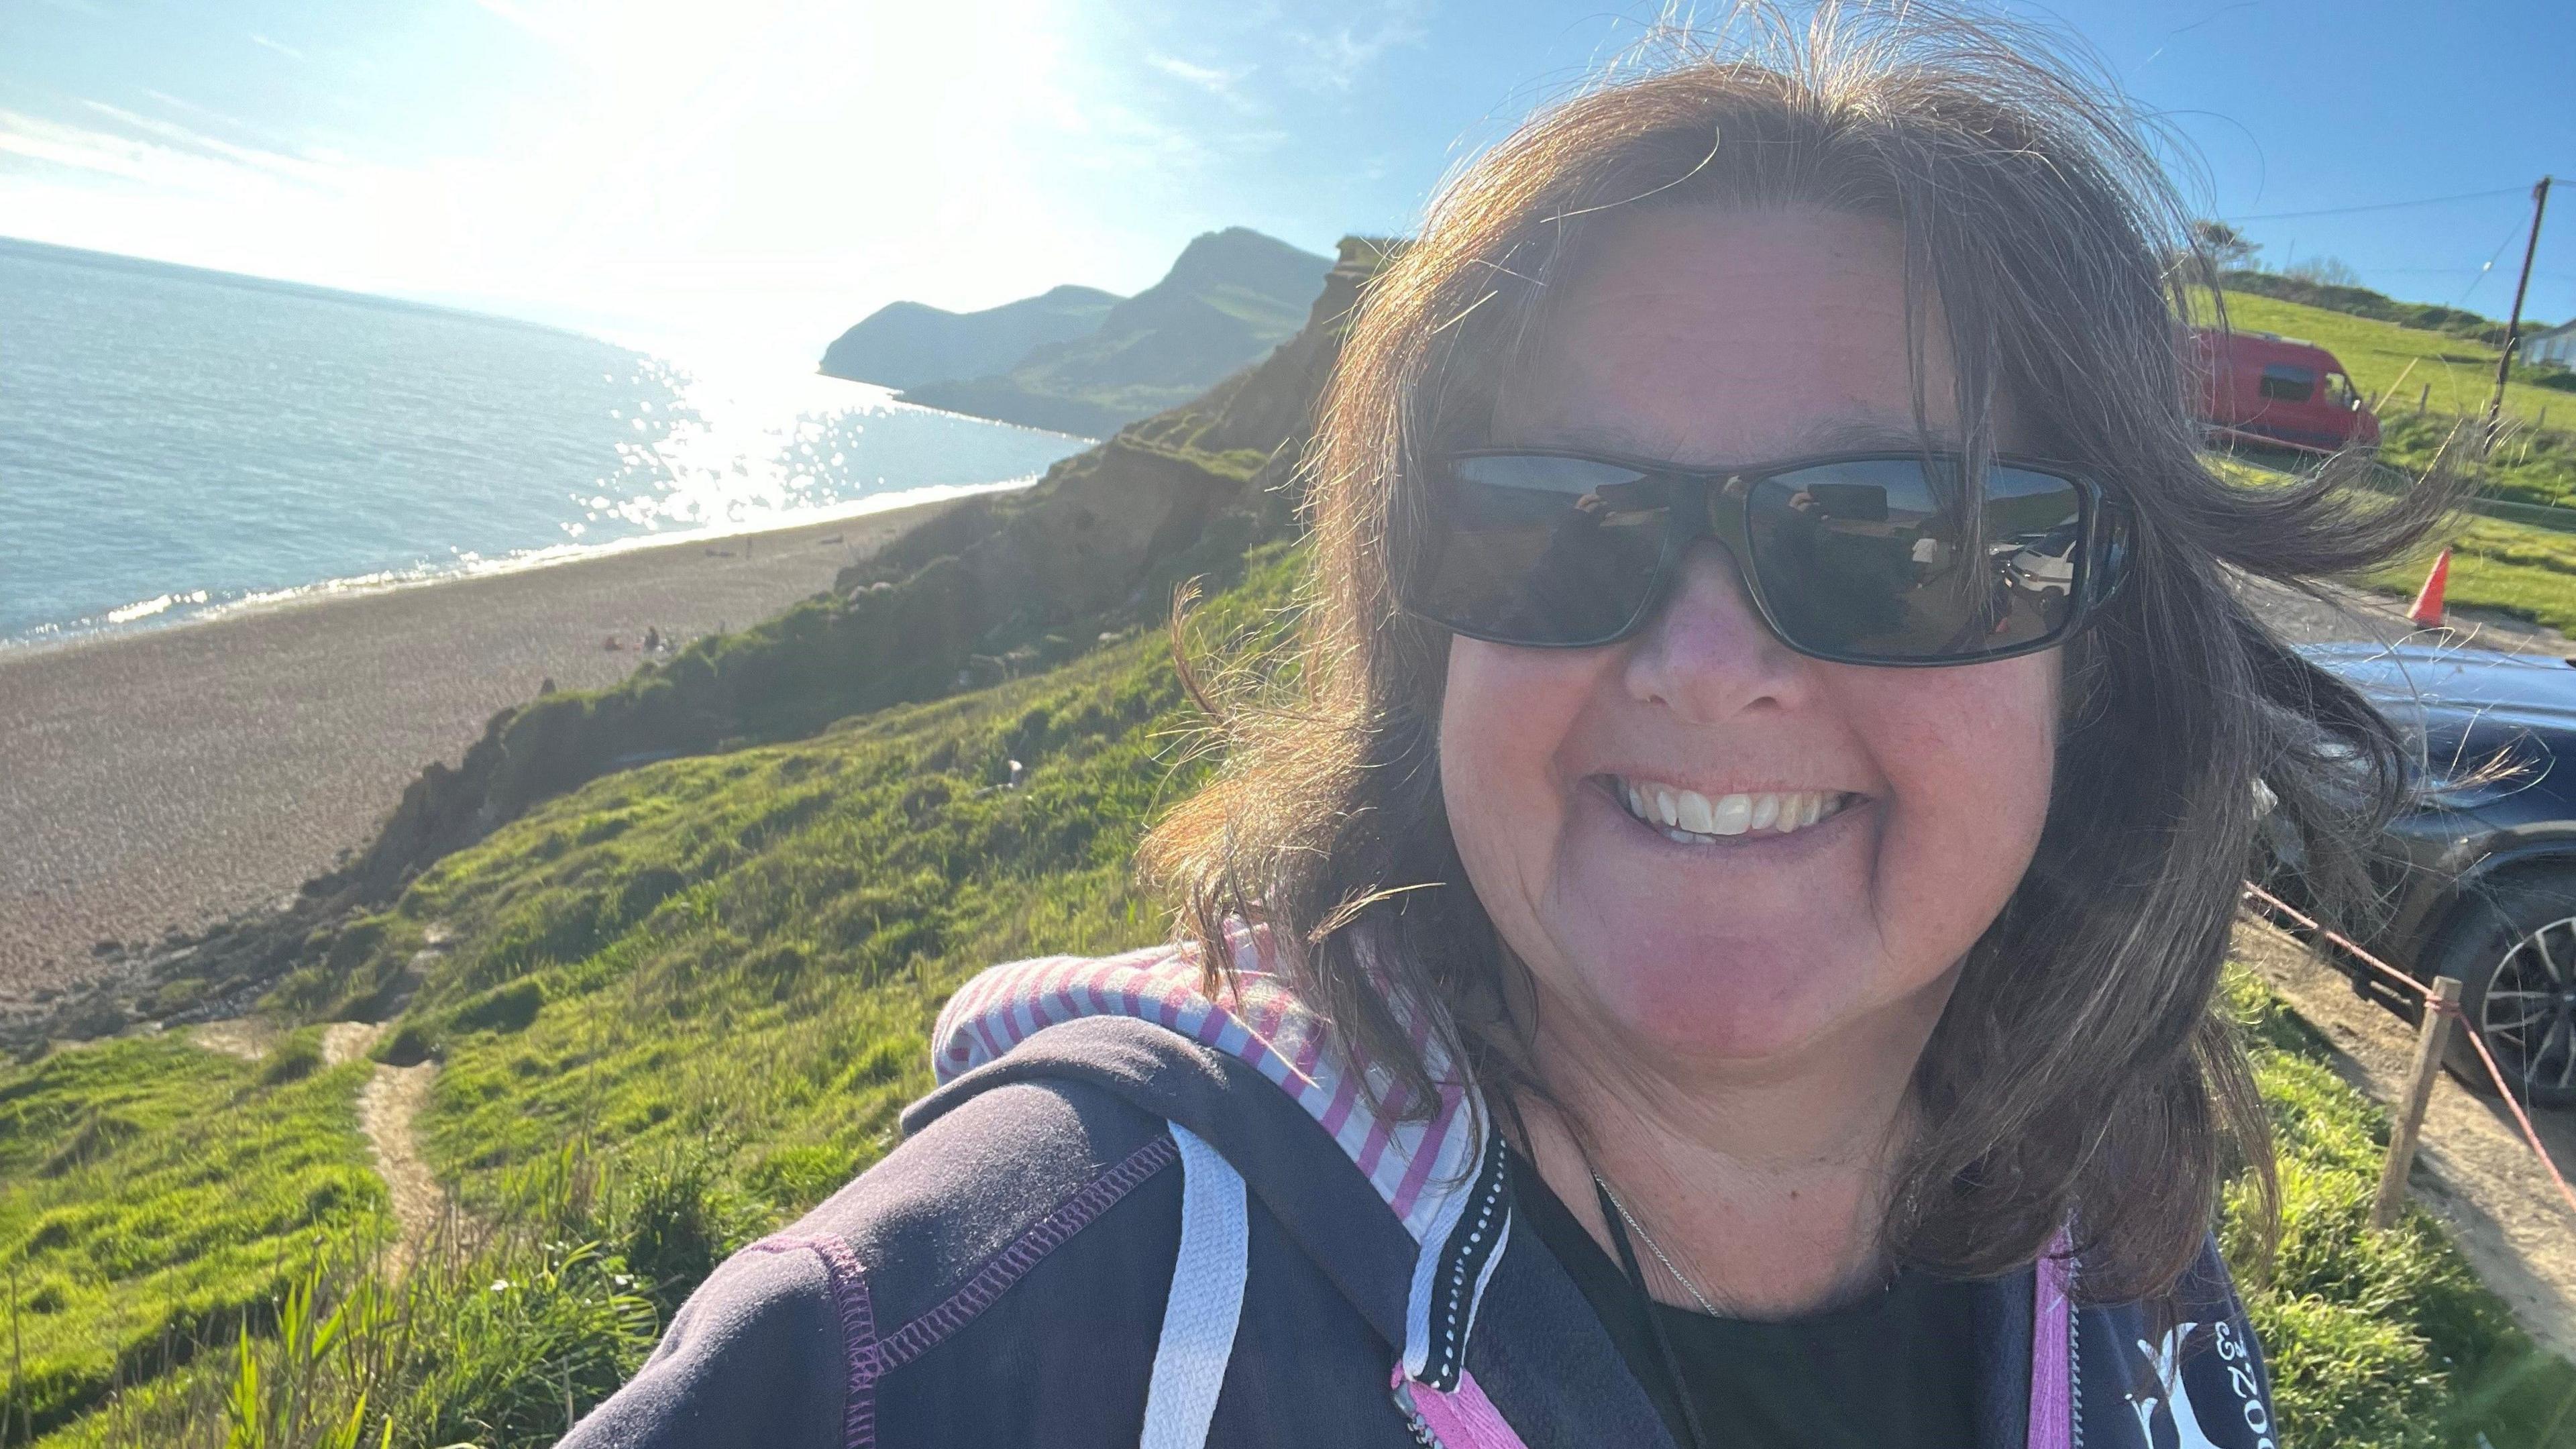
(2080, 1072)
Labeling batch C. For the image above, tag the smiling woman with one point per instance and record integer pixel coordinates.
(1714, 940)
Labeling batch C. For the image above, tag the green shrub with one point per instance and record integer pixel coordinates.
(293, 1059)
(503, 1008)
(410, 1045)
(681, 1219)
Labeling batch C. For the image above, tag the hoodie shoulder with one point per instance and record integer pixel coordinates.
(1054, 1197)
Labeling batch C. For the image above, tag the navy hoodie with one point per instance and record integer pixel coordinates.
(1131, 1214)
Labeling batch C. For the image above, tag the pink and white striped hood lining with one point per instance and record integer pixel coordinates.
(1420, 1169)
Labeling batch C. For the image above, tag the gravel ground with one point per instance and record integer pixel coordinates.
(174, 777)
(2352, 614)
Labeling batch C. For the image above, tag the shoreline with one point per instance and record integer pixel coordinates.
(85, 633)
(166, 777)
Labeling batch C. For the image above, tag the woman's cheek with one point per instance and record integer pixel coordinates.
(1969, 755)
(1505, 714)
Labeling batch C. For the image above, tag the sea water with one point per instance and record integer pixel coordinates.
(176, 442)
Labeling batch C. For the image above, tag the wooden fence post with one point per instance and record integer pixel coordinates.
(2423, 399)
(2429, 1042)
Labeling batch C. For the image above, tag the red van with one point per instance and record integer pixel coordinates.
(2279, 392)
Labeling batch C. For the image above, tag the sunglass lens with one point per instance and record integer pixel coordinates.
(1881, 560)
(1540, 550)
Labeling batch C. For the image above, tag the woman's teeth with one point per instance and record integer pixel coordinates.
(1688, 816)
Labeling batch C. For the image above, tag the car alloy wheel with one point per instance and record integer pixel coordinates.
(2512, 943)
(2528, 1011)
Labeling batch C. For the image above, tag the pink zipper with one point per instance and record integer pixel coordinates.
(1463, 1418)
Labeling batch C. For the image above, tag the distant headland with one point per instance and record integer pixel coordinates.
(1080, 360)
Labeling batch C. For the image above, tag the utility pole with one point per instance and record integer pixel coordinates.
(2513, 323)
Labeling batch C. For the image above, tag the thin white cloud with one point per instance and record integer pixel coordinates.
(33, 138)
(198, 143)
(1223, 82)
(227, 123)
(281, 47)
(1333, 59)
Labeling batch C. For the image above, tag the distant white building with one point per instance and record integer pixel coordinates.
(2556, 344)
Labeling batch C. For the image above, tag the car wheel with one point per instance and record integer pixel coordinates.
(2513, 947)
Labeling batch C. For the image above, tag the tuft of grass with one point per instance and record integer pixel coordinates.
(297, 1056)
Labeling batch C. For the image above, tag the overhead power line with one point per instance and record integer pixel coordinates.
(2383, 205)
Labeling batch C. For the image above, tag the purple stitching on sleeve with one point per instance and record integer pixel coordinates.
(848, 1283)
(1025, 1252)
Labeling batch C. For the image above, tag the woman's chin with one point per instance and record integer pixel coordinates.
(1740, 1001)
(1695, 1024)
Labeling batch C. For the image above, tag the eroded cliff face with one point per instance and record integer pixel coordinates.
(993, 587)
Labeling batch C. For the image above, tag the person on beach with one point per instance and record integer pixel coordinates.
(1714, 942)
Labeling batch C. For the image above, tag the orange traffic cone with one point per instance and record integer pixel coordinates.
(2427, 613)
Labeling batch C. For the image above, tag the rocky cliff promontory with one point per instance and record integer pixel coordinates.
(906, 344)
(1230, 297)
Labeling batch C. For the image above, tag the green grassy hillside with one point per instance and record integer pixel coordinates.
(2511, 567)
(2393, 363)
(673, 1009)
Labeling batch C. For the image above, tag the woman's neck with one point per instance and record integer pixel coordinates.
(1765, 1183)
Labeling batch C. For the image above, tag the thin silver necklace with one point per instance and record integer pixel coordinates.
(1647, 1238)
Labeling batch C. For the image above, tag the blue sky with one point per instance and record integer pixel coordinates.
(760, 173)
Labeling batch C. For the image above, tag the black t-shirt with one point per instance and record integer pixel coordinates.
(1893, 1370)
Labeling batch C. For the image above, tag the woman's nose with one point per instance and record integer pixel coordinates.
(1707, 655)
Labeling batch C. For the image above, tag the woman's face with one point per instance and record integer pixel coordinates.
(1711, 339)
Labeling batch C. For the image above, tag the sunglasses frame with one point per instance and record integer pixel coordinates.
(2104, 524)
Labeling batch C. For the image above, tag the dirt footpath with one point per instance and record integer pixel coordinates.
(389, 1104)
(2473, 1170)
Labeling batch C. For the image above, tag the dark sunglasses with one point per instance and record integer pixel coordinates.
(1855, 558)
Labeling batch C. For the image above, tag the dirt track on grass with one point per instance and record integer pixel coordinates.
(389, 1108)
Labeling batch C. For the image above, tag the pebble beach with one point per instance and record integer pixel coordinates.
(170, 777)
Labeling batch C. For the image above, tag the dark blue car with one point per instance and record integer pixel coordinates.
(2480, 878)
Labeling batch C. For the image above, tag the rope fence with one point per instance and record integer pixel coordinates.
(2441, 1009)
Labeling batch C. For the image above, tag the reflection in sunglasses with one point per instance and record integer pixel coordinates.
(1868, 558)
